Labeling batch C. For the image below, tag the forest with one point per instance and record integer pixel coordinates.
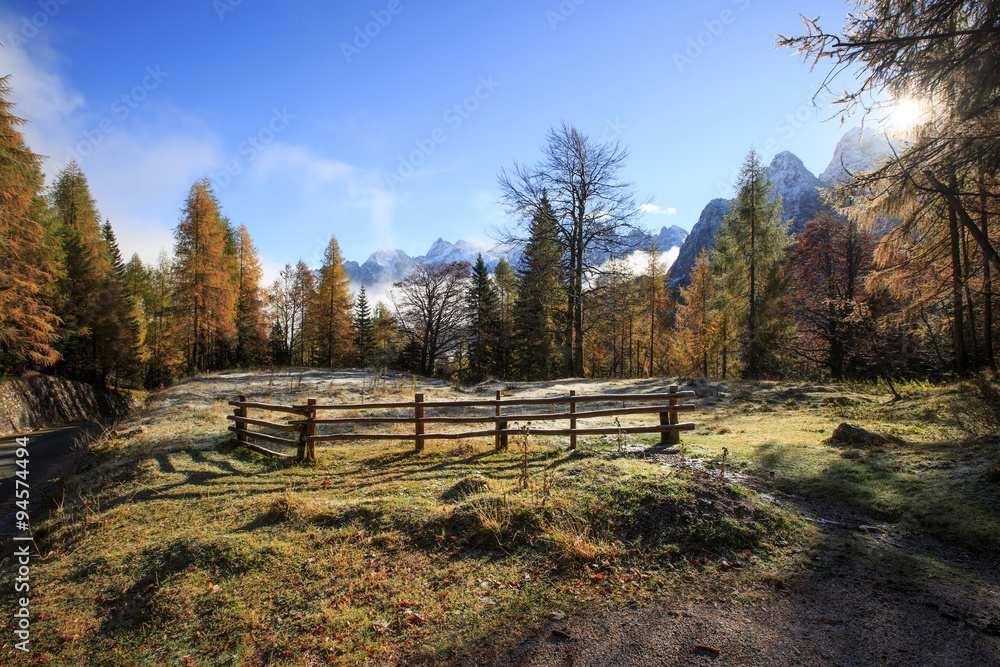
(894, 281)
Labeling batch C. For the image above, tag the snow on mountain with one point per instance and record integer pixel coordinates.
(858, 150)
(800, 193)
(800, 200)
(798, 187)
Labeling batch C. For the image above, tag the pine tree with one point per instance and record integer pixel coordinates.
(204, 291)
(747, 261)
(27, 322)
(484, 313)
(538, 320)
(249, 304)
(364, 328)
(331, 316)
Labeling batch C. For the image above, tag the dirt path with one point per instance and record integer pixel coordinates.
(839, 611)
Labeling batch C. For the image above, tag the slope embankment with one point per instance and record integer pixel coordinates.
(40, 401)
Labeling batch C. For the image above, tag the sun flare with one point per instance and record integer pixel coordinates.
(906, 112)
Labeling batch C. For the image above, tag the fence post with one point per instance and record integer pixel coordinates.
(670, 417)
(572, 420)
(501, 438)
(311, 431)
(418, 414)
(241, 411)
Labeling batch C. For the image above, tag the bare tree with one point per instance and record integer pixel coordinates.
(430, 307)
(593, 210)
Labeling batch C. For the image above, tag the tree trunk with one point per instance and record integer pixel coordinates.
(958, 324)
(987, 282)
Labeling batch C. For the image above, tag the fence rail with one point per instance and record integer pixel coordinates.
(668, 407)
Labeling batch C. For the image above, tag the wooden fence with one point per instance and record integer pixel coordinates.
(307, 436)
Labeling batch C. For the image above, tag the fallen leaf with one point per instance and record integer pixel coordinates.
(561, 633)
(558, 616)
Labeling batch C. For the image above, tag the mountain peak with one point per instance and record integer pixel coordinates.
(858, 150)
(439, 248)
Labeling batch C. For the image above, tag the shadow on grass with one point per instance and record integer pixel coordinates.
(934, 487)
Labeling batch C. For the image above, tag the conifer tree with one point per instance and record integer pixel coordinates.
(89, 286)
(539, 322)
(484, 322)
(164, 343)
(505, 281)
(747, 262)
(306, 344)
(249, 304)
(364, 328)
(654, 285)
(117, 328)
(204, 291)
(696, 332)
(278, 345)
(136, 286)
(331, 311)
(388, 336)
(27, 322)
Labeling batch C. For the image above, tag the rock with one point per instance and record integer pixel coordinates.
(846, 434)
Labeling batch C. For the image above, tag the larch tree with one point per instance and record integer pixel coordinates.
(388, 335)
(27, 321)
(658, 302)
(331, 312)
(249, 316)
(942, 57)
(836, 321)
(204, 290)
(591, 208)
(747, 262)
(166, 325)
(696, 332)
(304, 344)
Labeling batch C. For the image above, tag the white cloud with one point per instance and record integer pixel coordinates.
(139, 167)
(334, 183)
(656, 210)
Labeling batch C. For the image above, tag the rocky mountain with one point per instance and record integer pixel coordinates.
(385, 267)
(702, 236)
(799, 188)
(858, 150)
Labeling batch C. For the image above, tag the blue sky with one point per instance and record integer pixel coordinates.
(385, 122)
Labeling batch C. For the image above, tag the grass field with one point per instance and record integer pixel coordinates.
(173, 546)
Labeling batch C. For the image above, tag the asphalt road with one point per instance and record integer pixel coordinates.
(51, 454)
